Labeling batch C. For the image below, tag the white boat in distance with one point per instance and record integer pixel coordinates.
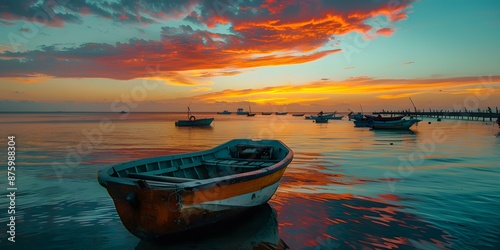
(398, 124)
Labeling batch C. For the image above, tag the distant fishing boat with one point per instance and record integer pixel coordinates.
(321, 120)
(385, 118)
(398, 124)
(240, 111)
(357, 116)
(225, 112)
(250, 111)
(363, 122)
(334, 117)
(360, 120)
(301, 114)
(281, 113)
(193, 122)
(162, 195)
(267, 113)
(321, 116)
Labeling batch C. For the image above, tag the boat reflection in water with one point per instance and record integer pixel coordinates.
(328, 212)
(257, 228)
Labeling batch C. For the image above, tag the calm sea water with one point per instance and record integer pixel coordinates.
(347, 188)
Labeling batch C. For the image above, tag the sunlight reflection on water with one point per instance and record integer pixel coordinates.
(346, 188)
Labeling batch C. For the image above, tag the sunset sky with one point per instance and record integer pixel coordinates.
(82, 55)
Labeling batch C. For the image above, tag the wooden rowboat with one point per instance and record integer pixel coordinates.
(163, 195)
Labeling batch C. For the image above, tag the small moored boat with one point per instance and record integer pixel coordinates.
(281, 113)
(250, 111)
(321, 119)
(398, 124)
(301, 114)
(193, 122)
(162, 195)
(364, 122)
(385, 118)
(240, 111)
(334, 117)
(320, 115)
(225, 112)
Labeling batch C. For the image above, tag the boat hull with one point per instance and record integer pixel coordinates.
(400, 124)
(325, 116)
(336, 118)
(321, 120)
(150, 208)
(385, 118)
(363, 123)
(154, 213)
(194, 123)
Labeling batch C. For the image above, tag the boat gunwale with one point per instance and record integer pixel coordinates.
(105, 177)
(397, 124)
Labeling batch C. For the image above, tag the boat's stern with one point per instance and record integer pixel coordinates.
(146, 212)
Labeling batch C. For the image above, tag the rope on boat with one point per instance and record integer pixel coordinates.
(179, 198)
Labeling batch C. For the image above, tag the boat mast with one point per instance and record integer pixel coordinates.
(415, 108)
(189, 109)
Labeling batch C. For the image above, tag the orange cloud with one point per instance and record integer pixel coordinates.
(323, 90)
(385, 31)
(260, 34)
(201, 89)
(31, 78)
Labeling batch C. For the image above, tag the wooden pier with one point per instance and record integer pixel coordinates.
(485, 115)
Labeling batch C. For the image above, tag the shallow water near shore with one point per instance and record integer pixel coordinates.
(435, 187)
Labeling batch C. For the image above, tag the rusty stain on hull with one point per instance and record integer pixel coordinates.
(156, 212)
(151, 208)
